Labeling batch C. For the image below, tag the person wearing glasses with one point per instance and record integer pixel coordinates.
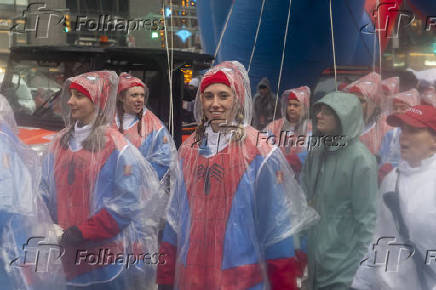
(340, 181)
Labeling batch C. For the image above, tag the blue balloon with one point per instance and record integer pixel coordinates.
(309, 44)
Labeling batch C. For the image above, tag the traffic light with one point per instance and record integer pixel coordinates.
(67, 23)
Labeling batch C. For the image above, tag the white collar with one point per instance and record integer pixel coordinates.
(79, 135)
(217, 141)
(129, 120)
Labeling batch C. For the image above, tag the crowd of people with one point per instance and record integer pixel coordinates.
(265, 194)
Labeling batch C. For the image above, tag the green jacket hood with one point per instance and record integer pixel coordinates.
(349, 111)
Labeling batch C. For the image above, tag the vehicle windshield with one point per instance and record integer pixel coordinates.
(32, 88)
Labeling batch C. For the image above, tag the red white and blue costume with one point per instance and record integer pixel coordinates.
(154, 141)
(293, 140)
(102, 192)
(234, 209)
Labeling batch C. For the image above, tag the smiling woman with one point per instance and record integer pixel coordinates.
(236, 205)
(218, 104)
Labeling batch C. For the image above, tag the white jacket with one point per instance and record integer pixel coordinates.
(407, 231)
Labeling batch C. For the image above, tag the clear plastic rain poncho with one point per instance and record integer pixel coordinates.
(236, 205)
(390, 86)
(264, 103)
(147, 133)
(292, 138)
(101, 192)
(428, 93)
(376, 127)
(390, 147)
(29, 254)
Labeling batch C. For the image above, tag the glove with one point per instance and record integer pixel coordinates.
(72, 237)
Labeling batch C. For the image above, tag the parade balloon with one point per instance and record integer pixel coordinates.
(228, 29)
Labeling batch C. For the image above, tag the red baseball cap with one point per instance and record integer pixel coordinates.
(417, 116)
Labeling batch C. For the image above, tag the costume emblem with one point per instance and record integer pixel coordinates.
(127, 170)
(71, 174)
(71, 168)
(215, 171)
(279, 177)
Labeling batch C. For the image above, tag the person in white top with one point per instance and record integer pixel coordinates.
(403, 254)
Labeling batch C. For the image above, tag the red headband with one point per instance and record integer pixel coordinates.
(218, 77)
(126, 81)
(81, 89)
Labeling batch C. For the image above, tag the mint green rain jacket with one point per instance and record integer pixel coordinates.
(341, 184)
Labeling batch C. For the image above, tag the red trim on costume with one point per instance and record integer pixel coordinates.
(302, 261)
(166, 271)
(100, 226)
(282, 273)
